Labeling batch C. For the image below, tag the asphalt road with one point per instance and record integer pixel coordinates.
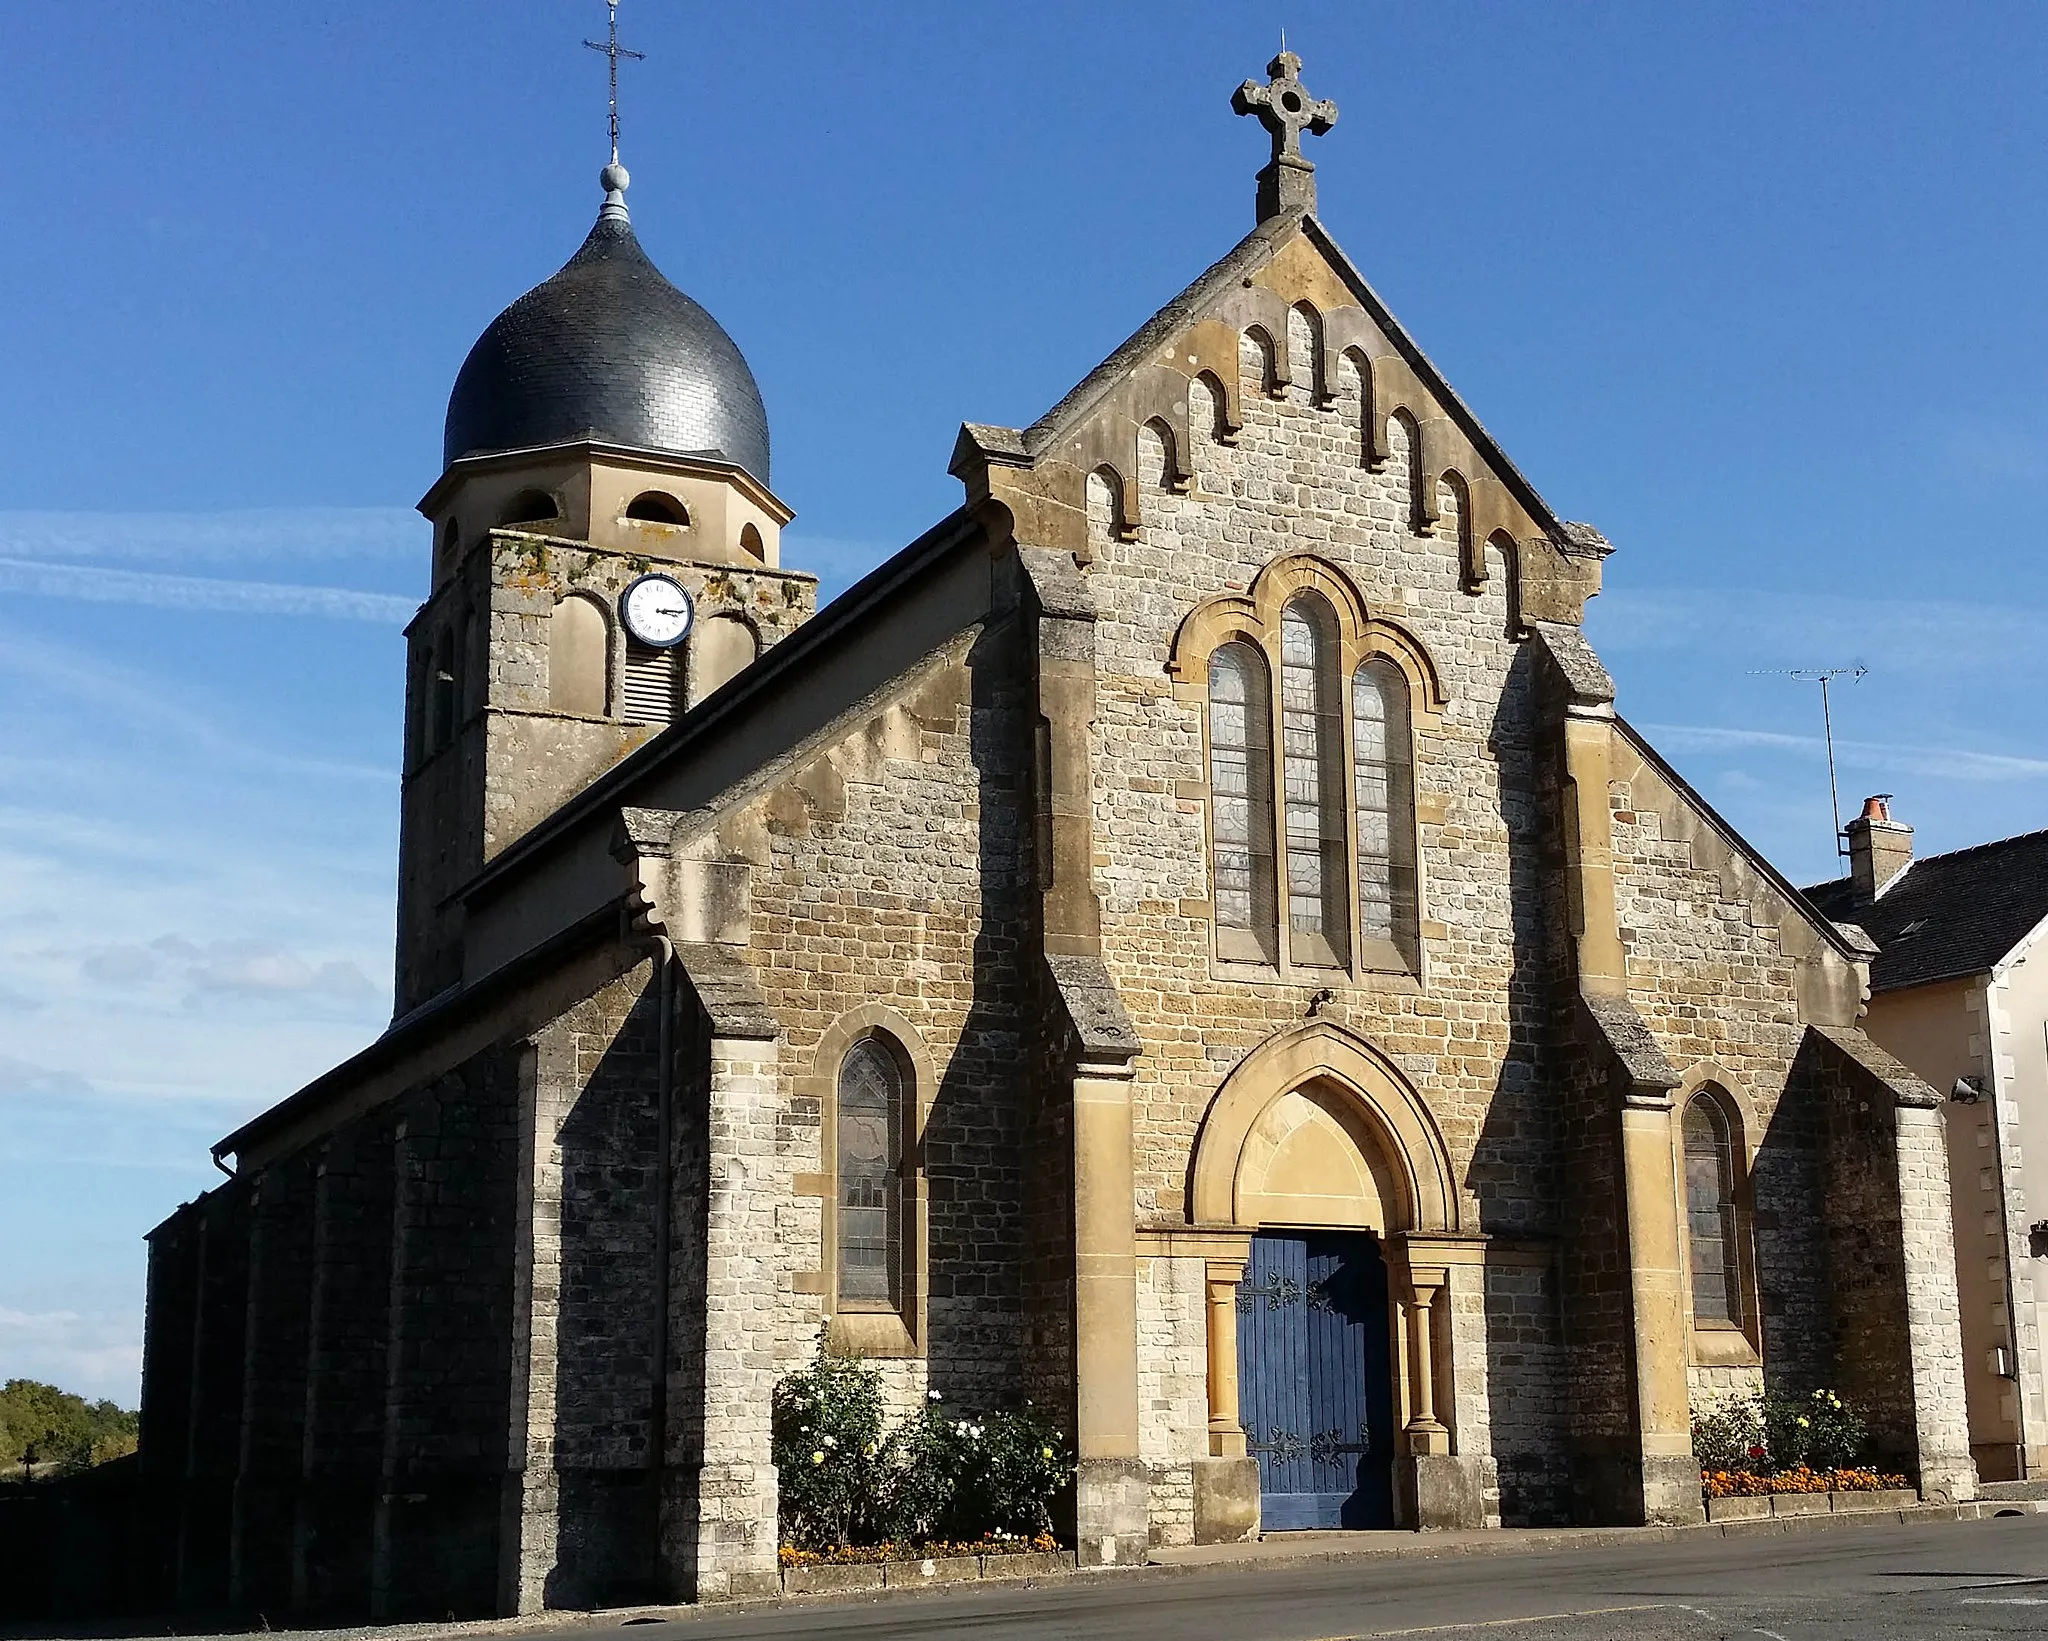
(1973, 1578)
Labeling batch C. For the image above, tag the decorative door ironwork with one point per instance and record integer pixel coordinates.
(1316, 1386)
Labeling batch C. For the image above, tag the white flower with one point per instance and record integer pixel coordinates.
(817, 1458)
(933, 1396)
(829, 1442)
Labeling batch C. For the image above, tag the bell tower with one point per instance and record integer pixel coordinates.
(604, 432)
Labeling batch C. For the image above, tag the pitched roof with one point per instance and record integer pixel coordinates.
(1948, 915)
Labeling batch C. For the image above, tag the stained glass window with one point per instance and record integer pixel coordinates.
(1383, 781)
(870, 1145)
(1710, 1212)
(1312, 742)
(1241, 801)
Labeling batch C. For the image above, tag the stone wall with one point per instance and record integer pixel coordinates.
(1173, 1388)
(348, 1363)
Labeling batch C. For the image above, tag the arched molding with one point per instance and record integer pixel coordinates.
(1411, 1155)
(1269, 349)
(1471, 564)
(1737, 1103)
(1255, 615)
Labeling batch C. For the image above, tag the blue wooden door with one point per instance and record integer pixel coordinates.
(1315, 1383)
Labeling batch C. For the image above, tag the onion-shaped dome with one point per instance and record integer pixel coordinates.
(608, 349)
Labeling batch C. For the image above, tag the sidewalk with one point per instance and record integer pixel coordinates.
(1282, 1548)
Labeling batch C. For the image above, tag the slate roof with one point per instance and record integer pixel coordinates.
(608, 349)
(1949, 915)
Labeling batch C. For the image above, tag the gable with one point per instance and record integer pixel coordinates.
(1287, 299)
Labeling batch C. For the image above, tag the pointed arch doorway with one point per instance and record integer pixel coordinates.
(1325, 1361)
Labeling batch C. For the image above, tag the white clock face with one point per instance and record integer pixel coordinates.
(656, 611)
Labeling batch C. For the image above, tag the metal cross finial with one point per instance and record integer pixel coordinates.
(1284, 106)
(613, 50)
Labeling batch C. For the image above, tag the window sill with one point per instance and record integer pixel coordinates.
(879, 1335)
(1723, 1347)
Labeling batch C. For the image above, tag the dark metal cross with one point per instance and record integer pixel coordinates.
(1284, 106)
(612, 49)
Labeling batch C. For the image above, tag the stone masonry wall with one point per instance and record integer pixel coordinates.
(1173, 1388)
(348, 1361)
(1294, 481)
(888, 873)
(436, 1547)
(1710, 980)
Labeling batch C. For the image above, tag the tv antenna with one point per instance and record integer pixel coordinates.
(1824, 676)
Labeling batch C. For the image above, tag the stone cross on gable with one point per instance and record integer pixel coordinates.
(1285, 109)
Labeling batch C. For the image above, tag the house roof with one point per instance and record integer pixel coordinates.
(1948, 915)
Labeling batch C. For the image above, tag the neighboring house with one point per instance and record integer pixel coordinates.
(1187, 941)
(1959, 992)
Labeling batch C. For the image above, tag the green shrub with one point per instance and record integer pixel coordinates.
(1775, 1432)
(938, 1475)
(827, 1446)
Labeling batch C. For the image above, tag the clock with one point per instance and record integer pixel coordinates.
(656, 611)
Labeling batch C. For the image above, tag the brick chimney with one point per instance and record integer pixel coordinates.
(1880, 848)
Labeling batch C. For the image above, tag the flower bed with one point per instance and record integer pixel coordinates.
(1752, 1484)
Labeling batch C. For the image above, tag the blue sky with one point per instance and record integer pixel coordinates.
(1756, 289)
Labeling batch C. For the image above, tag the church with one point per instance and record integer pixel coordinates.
(1189, 941)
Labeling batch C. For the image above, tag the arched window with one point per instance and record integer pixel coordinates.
(870, 1124)
(579, 642)
(1711, 1228)
(750, 542)
(528, 507)
(1312, 753)
(1241, 803)
(1383, 790)
(657, 507)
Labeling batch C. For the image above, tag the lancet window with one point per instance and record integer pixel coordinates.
(1713, 1232)
(1311, 795)
(870, 1122)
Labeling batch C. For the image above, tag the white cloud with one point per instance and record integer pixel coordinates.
(1894, 636)
(240, 535)
(89, 1353)
(1947, 763)
(24, 1079)
(158, 590)
(138, 703)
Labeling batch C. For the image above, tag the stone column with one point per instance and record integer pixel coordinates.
(1670, 1473)
(1653, 1477)
(1425, 1432)
(737, 1495)
(1227, 1482)
(1434, 1487)
(1226, 1431)
(1941, 1425)
(1112, 1507)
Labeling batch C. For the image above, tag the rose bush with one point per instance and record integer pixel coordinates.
(941, 1475)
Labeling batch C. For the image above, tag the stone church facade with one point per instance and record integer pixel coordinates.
(1207, 858)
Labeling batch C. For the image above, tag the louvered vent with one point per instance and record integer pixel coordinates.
(653, 684)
